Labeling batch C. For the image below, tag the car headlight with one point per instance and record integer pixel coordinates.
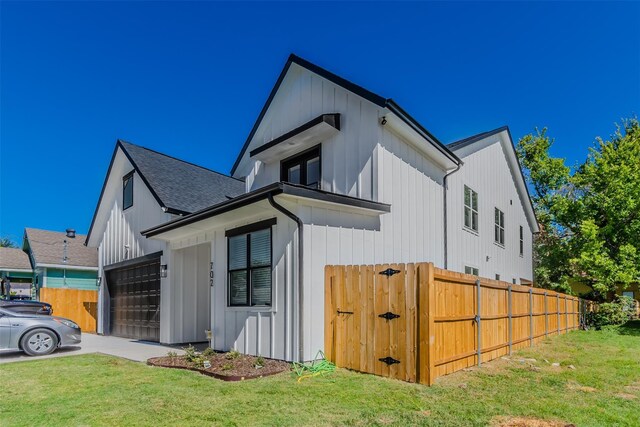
(68, 323)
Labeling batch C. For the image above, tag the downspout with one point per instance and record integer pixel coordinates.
(298, 221)
(444, 184)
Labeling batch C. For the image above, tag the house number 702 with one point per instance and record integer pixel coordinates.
(211, 274)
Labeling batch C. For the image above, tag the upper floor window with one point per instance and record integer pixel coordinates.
(249, 265)
(471, 270)
(303, 168)
(127, 191)
(521, 241)
(499, 227)
(470, 209)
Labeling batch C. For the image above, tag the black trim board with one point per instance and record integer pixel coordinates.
(350, 86)
(244, 229)
(133, 261)
(330, 119)
(262, 194)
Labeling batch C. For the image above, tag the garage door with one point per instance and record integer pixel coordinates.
(134, 293)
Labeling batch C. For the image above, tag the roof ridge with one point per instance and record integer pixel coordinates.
(477, 137)
(122, 141)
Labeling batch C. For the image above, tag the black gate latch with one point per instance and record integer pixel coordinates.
(389, 360)
(389, 315)
(344, 312)
(390, 272)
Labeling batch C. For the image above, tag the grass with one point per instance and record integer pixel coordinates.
(604, 389)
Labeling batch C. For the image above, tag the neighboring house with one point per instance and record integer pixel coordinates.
(15, 266)
(334, 174)
(60, 260)
(144, 188)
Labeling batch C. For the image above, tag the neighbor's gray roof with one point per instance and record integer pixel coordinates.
(47, 247)
(12, 258)
(179, 185)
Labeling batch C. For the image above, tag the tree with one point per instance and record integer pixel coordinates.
(6, 242)
(589, 219)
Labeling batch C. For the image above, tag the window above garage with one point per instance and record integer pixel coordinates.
(127, 191)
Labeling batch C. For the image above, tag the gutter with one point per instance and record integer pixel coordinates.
(300, 301)
(446, 231)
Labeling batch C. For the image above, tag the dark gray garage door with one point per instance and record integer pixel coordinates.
(134, 293)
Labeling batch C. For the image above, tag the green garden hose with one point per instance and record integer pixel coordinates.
(319, 366)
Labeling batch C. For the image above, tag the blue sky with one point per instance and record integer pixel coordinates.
(189, 79)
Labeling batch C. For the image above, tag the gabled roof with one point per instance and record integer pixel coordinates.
(13, 258)
(47, 247)
(376, 99)
(179, 187)
(519, 179)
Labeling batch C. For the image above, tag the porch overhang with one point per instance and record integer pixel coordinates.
(305, 136)
(197, 220)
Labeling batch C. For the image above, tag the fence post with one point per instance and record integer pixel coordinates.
(566, 316)
(546, 315)
(558, 311)
(479, 321)
(531, 317)
(510, 321)
(426, 325)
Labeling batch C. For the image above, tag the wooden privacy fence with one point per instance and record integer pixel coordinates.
(415, 322)
(78, 305)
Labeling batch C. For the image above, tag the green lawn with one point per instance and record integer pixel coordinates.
(603, 390)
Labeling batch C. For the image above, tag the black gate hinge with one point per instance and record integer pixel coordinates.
(389, 272)
(389, 360)
(389, 315)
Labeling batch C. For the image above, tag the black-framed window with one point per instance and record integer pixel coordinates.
(249, 265)
(521, 240)
(127, 191)
(304, 168)
(499, 227)
(470, 209)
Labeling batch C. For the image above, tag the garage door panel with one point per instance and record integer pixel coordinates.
(135, 301)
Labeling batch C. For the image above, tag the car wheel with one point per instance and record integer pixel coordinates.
(39, 342)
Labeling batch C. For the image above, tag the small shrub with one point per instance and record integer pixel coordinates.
(208, 352)
(227, 366)
(172, 354)
(233, 355)
(190, 353)
(260, 361)
(611, 313)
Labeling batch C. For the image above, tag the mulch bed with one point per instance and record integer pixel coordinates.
(225, 366)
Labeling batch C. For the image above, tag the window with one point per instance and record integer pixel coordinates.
(513, 281)
(127, 191)
(499, 227)
(303, 168)
(497, 277)
(627, 294)
(249, 264)
(470, 209)
(521, 241)
(471, 270)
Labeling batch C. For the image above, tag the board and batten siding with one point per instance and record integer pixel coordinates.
(347, 157)
(487, 172)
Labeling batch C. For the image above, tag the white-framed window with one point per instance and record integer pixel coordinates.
(470, 209)
(249, 265)
(127, 191)
(499, 227)
(521, 240)
(471, 270)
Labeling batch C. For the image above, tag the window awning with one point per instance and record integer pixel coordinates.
(306, 136)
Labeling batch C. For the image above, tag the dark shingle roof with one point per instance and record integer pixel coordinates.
(14, 258)
(47, 247)
(178, 185)
(474, 138)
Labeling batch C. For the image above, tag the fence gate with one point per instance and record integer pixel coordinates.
(370, 319)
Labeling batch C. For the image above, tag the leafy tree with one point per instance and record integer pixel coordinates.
(589, 220)
(6, 242)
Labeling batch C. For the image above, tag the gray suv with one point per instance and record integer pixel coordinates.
(34, 334)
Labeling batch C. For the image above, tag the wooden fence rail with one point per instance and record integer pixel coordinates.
(74, 304)
(415, 322)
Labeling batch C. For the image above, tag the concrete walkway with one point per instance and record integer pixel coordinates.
(122, 347)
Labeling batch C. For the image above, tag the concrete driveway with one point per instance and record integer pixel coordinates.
(121, 347)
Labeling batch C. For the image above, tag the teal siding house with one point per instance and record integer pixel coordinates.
(61, 260)
(16, 268)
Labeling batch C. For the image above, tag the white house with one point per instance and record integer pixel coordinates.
(333, 174)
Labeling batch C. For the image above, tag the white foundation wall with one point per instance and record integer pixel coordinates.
(486, 171)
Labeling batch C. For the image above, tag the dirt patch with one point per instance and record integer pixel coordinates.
(527, 422)
(225, 366)
(579, 387)
(626, 396)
